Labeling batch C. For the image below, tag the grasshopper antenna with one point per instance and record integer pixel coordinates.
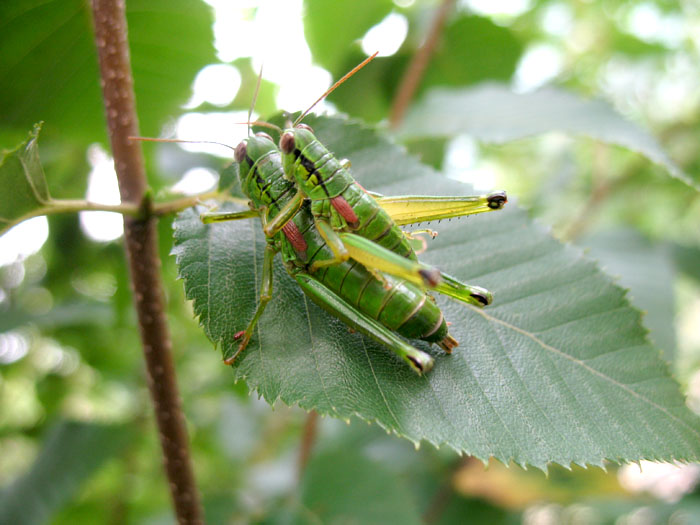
(336, 85)
(255, 98)
(262, 124)
(180, 141)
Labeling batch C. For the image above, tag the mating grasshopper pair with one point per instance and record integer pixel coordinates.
(344, 246)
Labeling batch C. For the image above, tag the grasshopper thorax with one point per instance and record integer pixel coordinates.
(251, 154)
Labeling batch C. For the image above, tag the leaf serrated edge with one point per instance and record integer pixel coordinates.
(576, 252)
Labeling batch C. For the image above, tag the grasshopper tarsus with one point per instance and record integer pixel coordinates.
(497, 199)
(448, 344)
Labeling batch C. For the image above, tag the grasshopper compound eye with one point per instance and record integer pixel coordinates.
(497, 200)
(240, 152)
(306, 127)
(264, 135)
(287, 142)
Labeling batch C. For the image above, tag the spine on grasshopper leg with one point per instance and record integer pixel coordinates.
(334, 193)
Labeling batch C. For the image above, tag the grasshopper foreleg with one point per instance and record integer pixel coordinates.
(265, 296)
(221, 216)
(334, 242)
(285, 215)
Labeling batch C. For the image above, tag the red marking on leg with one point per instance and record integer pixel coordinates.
(345, 211)
(291, 231)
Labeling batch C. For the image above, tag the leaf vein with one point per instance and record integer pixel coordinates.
(588, 368)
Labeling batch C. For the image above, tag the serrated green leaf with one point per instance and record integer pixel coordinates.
(558, 369)
(71, 453)
(23, 188)
(493, 113)
(647, 270)
(49, 69)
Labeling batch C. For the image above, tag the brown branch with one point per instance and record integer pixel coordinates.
(308, 438)
(414, 73)
(602, 188)
(141, 247)
(444, 493)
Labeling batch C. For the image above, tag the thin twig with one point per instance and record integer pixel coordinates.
(308, 438)
(603, 187)
(177, 205)
(141, 246)
(444, 494)
(414, 73)
(158, 209)
(56, 206)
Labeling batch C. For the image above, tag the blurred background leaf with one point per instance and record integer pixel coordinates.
(49, 63)
(72, 452)
(22, 177)
(493, 113)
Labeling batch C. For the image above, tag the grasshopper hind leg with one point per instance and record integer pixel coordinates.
(323, 296)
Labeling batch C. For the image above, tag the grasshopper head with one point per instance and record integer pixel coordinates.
(252, 149)
(296, 138)
(300, 150)
(249, 152)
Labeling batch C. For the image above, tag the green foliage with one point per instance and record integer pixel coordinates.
(265, 101)
(48, 68)
(493, 113)
(72, 452)
(331, 28)
(330, 492)
(69, 350)
(456, 64)
(559, 343)
(22, 176)
(648, 271)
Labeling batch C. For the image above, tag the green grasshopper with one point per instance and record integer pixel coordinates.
(377, 302)
(340, 204)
